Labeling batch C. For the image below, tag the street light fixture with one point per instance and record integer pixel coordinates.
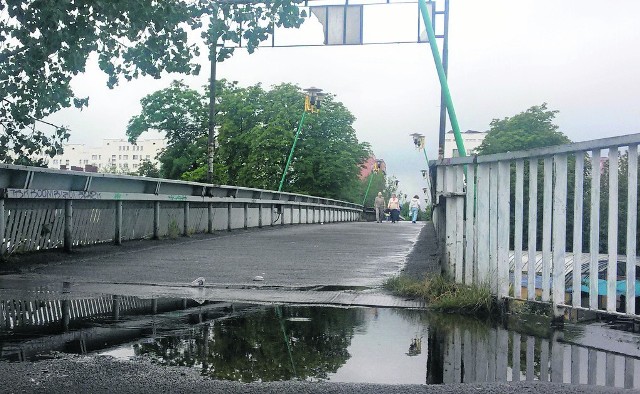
(376, 168)
(419, 142)
(312, 101)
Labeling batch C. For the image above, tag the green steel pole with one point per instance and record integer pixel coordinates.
(293, 147)
(443, 78)
(367, 192)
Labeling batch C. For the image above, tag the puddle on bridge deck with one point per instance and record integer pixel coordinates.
(267, 343)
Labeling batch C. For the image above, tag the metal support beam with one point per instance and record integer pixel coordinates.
(118, 235)
(156, 220)
(68, 225)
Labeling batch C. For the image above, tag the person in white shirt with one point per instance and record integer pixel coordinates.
(414, 207)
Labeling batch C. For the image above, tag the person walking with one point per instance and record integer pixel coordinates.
(414, 207)
(379, 206)
(394, 206)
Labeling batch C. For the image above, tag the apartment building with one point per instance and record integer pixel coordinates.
(113, 155)
(472, 140)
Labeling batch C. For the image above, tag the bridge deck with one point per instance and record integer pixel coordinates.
(289, 258)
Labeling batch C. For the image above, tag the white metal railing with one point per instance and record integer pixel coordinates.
(496, 215)
(42, 208)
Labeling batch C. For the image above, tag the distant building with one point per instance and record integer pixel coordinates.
(472, 139)
(114, 155)
(367, 167)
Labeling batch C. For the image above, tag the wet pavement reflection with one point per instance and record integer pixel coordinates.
(250, 343)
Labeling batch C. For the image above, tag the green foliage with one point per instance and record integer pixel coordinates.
(444, 295)
(530, 129)
(44, 44)
(147, 168)
(254, 137)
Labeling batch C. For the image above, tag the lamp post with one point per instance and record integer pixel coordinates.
(419, 142)
(312, 101)
(377, 167)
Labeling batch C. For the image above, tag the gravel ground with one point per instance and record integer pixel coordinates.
(424, 259)
(78, 374)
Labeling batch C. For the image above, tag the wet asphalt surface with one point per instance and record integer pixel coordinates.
(293, 256)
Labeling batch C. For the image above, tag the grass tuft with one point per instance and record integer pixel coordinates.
(444, 295)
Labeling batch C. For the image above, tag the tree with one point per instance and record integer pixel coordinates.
(530, 129)
(181, 114)
(533, 128)
(45, 43)
(254, 138)
(147, 168)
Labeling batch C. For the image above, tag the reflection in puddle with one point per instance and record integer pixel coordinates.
(251, 343)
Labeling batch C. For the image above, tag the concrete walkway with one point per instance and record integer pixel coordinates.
(290, 257)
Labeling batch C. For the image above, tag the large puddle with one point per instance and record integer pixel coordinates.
(251, 343)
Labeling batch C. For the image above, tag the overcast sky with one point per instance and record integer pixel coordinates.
(582, 57)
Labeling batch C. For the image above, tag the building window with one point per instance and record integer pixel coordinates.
(127, 147)
(141, 147)
(148, 157)
(455, 153)
(125, 157)
(135, 166)
(119, 157)
(66, 162)
(135, 157)
(86, 162)
(94, 157)
(113, 157)
(55, 161)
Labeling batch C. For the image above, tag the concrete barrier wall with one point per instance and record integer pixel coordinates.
(41, 208)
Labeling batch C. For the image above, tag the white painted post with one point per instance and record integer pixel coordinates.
(632, 220)
(612, 236)
(532, 229)
(459, 225)
(118, 234)
(559, 233)
(547, 210)
(450, 224)
(504, 187)
(493, 228)
(469, 261)
(594, 229)
(578, 198)
(156, 220)
(518, 226)
(185, 226)
(482, 220)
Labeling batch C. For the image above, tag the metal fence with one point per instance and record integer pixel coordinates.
(43, 208)
(556, 224)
